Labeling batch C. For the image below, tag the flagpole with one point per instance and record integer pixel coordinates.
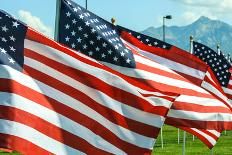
(86, 4)
(58, 5)
(184, 140)
(178, 140)
(211, 151)
(218, 49)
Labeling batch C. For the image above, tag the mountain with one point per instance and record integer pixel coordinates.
(204, 30)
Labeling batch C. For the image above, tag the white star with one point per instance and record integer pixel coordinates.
(97, 48)
(156, 43)
(90, 53)
(128, 61)
(99, 37)
(164, 46)
(79, 28)
(3, 50)
(138, 36)
(91, 42)
(93, 30)
(74, 21)
(75, 9)
(86, 35)
(12, 38)
(87, 23)
(15, 24)
(73, 45)
(4, 39)
(68, 14)
(4, 28)
(116, 47)
(12, 48)
(114, 32)
(67, 39)
(103, 55)
(122, 54)
(110, 51)
(147, 40)
(79, 40)
(0, 17)
(69, 3)
(104, 44)
(115, 59)
(81, 16)
(67, 26)
(73, 33)
(85, 46)
(11, 60)
(126, 50)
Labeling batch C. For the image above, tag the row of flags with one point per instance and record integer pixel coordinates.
(104, 89)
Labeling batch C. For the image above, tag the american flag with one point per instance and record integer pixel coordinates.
(57, 101)
(218, 63)
(189, 67)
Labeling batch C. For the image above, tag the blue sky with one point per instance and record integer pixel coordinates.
(134, 14)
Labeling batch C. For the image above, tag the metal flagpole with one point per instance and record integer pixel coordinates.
(161, 137)
(58, 5)
(178, 140)
(86, 4)
(211, 151)
(184, 140)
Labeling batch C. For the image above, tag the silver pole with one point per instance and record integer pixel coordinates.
(86, 4)
(211, 151)
(178, 136)
(161, 137)
(184, 140)
(191, 45)
(58, 5)
(218, 49)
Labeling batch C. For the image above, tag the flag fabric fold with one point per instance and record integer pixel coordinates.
(57, 101)
(190, 68)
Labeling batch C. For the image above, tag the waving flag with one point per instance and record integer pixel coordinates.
(145, 74)
(218, 63)
(186, 65)
(57, 101)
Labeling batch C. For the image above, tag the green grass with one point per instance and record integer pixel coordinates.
(171, 146)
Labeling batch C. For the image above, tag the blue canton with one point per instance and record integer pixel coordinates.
(146, 39)
(12, 35)
(218, 63)
(92, 35)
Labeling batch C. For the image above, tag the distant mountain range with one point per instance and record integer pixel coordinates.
(204, 30)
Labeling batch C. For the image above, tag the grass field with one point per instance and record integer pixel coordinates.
(171, 146)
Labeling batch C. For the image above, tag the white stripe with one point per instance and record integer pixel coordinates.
(214, 132)
(200, 101)
(190, 115)
(121, 132)
(215, 91)
(169, 63)
(56, 119)
(227, 90)
(101, 98)
(209, 138)
(141, 74)
(35, 137)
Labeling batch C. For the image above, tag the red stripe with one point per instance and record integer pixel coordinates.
(186, 106)
(50, 103)
(10, 113)
(201, 137)
(74, 115)
(175, 54)
(21, 145)
(91, 81)
(208, 125)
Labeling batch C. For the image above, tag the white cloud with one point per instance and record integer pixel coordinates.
(35, 22)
